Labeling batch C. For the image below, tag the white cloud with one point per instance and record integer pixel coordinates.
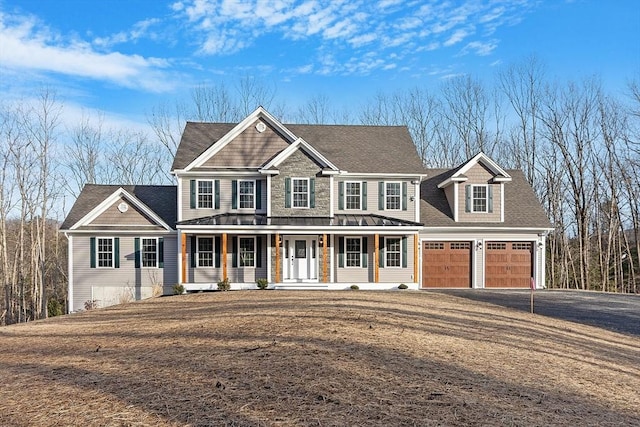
(27, 46)
(456, 37)
(221, 27)
(480, 48)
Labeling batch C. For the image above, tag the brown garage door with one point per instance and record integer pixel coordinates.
(446, 265)
(508, 265)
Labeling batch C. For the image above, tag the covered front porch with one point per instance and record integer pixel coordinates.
(298, 252)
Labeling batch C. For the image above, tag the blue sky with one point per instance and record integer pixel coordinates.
(122, 57)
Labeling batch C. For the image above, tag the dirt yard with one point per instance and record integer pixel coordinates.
(286, 358)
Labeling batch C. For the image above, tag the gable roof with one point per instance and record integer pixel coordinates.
(160, 199)
(458, 174)
(299, 144)
(351, 148)
(522, 208)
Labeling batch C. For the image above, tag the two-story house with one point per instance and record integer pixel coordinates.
(305, 207)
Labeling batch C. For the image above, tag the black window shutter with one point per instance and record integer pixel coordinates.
(234, 252)
(404, 196)
(116, 252)
(234, 194)
(216, 185)
(467, 198)
(287, 192)
(92, 248)
(312, 193)
(404, 252)
(365, 253)
(340, 195)
(194, 248)
(193, 193)
(218, 250)
(364, 196)
(490, 197)
(341, 251)
(136, 248)
(258, 251)
(380, 195)
(161, 252)
(258, 194)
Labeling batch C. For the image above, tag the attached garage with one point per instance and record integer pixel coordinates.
(508, 264)
(446, 265)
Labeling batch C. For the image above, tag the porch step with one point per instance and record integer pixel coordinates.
(301, 286)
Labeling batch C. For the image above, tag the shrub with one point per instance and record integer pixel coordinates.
(402, 286)
(262, 283)
(157, 289)
(91, 304)
(224, 285)
(355, 287)
(178, 289)
(54, 308)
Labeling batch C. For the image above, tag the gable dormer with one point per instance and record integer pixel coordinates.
(475, 190)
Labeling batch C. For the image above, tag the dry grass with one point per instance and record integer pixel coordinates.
(315, 358)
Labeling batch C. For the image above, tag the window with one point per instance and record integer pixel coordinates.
(104, 251)
(393, 252)
(205, 194)
(300, 192)
(247, 251)
(149, 253)
(393, 194)
(479, 198)
(352, 195)
(205, 251)
(246, 194)
(353, 251)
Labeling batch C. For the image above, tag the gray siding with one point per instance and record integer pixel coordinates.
(127, 277)
(299, 165)
(249, 149)
(235, 274)
(225, 197)
(385, 274)
(478, 174)
(372, 199)
(113, 216)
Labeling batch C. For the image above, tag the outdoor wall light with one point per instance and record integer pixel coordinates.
(540, 244)
(321, 240)
(479, 246)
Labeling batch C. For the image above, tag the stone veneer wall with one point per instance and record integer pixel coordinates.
(299, 165)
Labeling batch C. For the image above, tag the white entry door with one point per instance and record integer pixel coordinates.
(300, 258)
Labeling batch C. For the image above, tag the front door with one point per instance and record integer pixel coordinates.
(300, 258)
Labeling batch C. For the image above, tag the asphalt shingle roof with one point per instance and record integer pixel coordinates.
(354, 148)
(522, 208)
(161, 199)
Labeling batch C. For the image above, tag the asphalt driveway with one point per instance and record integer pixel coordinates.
(616, 312)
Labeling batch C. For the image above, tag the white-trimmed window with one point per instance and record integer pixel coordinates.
(479, 197)
(393, 252)
(104, 252)
(247, 251)
(300, 192)
(149, 252)
(205, 194)
(353, 251)
(205, 251)
(246, 194)
(353, 195)
(393, 196)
